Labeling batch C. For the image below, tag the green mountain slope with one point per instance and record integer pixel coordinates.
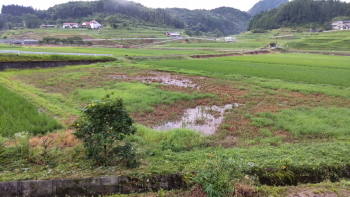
(265, 5)
(300, 12)
(224, 20)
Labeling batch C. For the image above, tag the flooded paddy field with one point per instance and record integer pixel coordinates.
(186, 119)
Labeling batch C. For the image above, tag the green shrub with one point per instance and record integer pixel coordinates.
(217, 174)
(102, 127)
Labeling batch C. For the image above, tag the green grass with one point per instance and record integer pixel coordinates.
(313, 123)
(112, 51)
(137, 96)
(17, 115)
(335, 41)
(210, 45)
(316, 69)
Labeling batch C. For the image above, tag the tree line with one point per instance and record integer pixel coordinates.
(216, 22)
(301, 12)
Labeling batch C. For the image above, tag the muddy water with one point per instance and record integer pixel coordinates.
(162, 78)
(203, 119)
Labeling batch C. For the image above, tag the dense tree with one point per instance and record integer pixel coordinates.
(16, 10)
(112, 20)
(224, 19)
(265, 5)
(300, 12)
(31, 21)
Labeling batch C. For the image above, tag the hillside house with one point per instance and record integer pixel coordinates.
(230, 39)
(92, 24)
(341, 25)
(70, 25)
(172, 34)
(47, 26)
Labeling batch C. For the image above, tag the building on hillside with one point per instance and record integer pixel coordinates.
(95, 25)
(230, 39)
(92, 24)
(29, 42)
(341, 25)
(70, 25)
(47, 26)
(172, 34)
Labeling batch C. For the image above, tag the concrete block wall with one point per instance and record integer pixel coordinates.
(89, 186)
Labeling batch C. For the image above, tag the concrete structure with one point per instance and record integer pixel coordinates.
(89, 186)
(341, 25)
(47, 26)
(70, 25)
(230, 39)
(172, 34)
(19, 41)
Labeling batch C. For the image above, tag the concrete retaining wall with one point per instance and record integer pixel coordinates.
(42, 64)
(89, 187)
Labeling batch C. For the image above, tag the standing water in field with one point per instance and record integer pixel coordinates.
(203, 119)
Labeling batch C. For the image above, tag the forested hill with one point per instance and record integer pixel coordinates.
(265, 5)
(301, 12)
(216, 22)
(104, 8)
(219, 21)
(104, 11)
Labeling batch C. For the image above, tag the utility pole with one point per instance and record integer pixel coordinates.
(310, 30)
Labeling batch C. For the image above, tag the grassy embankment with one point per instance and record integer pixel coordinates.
(31, 57)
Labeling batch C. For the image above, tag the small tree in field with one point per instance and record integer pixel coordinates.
(102, 127)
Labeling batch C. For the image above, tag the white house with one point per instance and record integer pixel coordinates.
(341, 25)
(70, 25)
(230, 39)
(172, 34)
(95, 25)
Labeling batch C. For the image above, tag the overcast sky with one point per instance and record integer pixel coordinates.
(243, 5)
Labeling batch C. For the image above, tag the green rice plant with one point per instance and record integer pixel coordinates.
(314, 69)
(17, 115)
(322, 122)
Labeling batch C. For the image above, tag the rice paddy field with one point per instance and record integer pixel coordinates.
(285, 131)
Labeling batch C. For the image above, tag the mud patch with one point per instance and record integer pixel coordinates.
(203, 119)
(162, 78)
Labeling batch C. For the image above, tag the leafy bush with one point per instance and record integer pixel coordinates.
(102, 127)
(217, 175)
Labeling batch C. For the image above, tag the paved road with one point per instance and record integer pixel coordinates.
(40, 53)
